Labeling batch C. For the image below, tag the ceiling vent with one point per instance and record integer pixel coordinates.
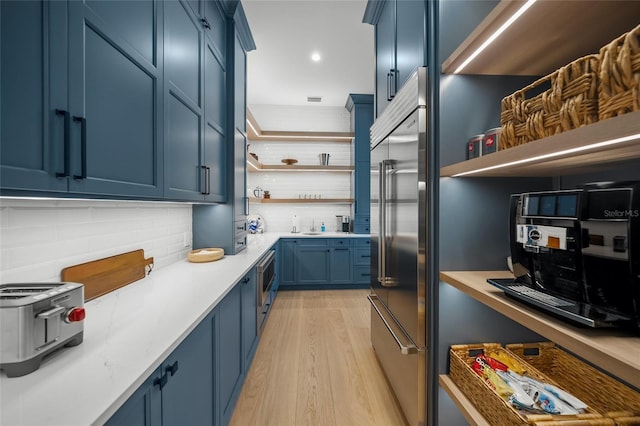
(314, 98)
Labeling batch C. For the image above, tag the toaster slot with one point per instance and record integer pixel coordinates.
(47, 324)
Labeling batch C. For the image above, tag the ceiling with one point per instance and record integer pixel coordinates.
(280, 71)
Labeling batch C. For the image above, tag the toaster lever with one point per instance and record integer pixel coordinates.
(51, 312)
(49, 329)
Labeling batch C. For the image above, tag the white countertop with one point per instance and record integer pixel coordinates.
(127, 334)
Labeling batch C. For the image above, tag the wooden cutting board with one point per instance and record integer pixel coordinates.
(105, 275)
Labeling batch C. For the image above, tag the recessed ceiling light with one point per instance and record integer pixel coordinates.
(315, 57)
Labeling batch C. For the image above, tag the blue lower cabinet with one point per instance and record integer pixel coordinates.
(313, 265)
(341, 264)
(324, 263)
(249, 317)
(188, 396)
(199, 383)
(287, 261)
(181, 390)
(143, 408)
(228, 352)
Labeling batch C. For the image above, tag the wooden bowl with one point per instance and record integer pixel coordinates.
(208, 254)
(289, 161)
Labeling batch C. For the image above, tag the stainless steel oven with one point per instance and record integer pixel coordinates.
(266, 269)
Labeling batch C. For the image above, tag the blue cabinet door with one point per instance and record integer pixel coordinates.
(33, 70)
(188, 396)
(385, 34)
(410, 38)
(185, 174)
(115, 93)
(240, 86)
(143, 408)
(229, 353)
(288, 261)
(313, 265)
(215, 98)
(341, 265)
(249, 318)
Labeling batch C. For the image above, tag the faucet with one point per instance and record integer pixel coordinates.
(313, 225)
(294, 230)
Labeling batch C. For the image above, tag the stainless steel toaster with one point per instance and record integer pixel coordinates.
(35, 320)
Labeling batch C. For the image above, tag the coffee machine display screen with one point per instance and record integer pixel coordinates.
(551, 205)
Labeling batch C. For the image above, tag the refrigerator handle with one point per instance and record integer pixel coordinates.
(382, 220)
(383, 279)
(404, 349)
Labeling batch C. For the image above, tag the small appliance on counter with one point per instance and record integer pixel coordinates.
(37, 319)
(344, 223)
(576, 253)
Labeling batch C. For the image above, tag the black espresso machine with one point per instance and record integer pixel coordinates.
(576, 253)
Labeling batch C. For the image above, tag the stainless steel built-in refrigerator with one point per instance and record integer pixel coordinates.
(399, 234)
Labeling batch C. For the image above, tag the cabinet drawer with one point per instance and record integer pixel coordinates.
(361, 228)
(362, 242)
(240, 241)
(240, 226)
(305, 242)
(361, 274)
(340, 242)
(363, 256)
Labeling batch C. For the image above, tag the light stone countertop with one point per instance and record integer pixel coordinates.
(127, 335)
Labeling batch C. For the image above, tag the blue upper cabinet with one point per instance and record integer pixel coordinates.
(400, 48)
(80, 113)
(33, 85)
(115, 98)
(195, 95)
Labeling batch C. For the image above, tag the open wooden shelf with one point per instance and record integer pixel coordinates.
(256, 134)
(468, 410)
(255, 167)
(612, 350)
(547, 36)
(301, 200)
(561, 154)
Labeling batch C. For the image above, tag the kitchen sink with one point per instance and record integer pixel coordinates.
(312, 233)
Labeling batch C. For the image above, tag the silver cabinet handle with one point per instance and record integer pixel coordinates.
(404, 349)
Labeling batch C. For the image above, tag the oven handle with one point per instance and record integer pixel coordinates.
(265, 261)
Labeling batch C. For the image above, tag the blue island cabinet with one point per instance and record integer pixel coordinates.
(81, 97)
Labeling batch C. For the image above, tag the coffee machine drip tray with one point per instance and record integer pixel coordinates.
(578, 312)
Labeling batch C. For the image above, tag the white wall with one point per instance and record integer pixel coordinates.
(302, 118)
(297, 184)
(38, 238)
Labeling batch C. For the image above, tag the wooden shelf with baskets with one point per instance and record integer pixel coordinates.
(468, 410)
(575, 151)
(612, 350)
(538, 32)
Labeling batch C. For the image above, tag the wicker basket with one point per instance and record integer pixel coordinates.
(601, 392)
(493, 407)
(570, 101)
(619, 88)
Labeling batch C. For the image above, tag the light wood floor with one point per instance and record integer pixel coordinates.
(315, 366)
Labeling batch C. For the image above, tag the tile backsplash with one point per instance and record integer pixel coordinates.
(301, 184)
(40, 237)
